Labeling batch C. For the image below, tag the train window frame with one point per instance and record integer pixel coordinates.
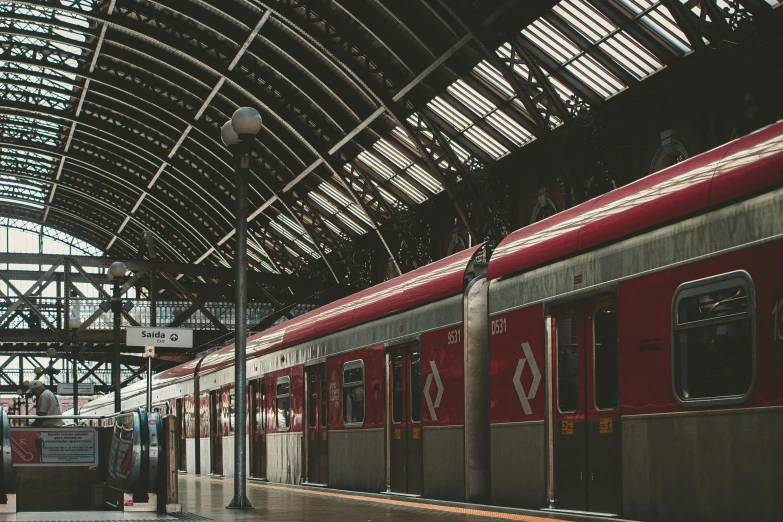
(611, 308)
(350, 365)
(703, 286)
(278, 382)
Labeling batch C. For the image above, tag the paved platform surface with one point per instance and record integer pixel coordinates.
(206, 498)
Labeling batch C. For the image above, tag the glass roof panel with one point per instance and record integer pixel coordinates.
(586, 19)
(424, 177)
(631, 55)
(371, 161)
(493, 79)
(551, 41)
(449, 113)
(392, 154)
(471, 98)
(399, 133)
(658, 19)
(510, 128)
(486, 142)
(595, 76)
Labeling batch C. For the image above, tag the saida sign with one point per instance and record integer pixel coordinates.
(159, 337)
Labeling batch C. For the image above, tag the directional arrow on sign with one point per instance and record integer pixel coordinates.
(427, 396)
(523, 397)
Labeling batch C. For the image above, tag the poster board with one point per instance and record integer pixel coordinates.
(48, 446)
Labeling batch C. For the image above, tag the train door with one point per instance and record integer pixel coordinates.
(317, 433)
(404, 420)
(258, 429)
(585, 407)
(181, 445)
(216, 431)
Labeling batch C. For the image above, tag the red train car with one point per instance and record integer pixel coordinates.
(623, 357)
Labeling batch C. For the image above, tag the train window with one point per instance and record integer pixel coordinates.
(397, 389)
(324, 401)
(283, 403)
(714, 354)
(312, 403)
(606, 357)
(353, 393)
(231, 407)
(567, 365)
(416, 387)
(259, 408)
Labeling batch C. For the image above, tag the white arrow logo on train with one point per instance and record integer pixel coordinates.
(523, 397)
(427, 396)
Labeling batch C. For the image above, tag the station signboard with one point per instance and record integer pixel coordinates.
(84, 388)
(159, 337)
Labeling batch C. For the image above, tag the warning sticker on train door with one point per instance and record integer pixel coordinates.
(567, 427)
(605, 426)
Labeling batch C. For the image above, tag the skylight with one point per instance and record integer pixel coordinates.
(658, 19)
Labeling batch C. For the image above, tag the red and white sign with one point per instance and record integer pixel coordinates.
(54, 447)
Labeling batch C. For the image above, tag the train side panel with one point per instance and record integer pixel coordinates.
(443, 432)
(517, 408)
(704, 461)
(356, 451)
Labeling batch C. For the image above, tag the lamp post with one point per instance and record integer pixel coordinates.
(117, 272)
(238, 135)
(74, 322)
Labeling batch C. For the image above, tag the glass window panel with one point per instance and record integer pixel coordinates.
(710, 305)
(312, 403)
(606, 360)
(715, 360)
(353, 393)
(397, 395)
(415, 391)
(324, 400)
(283, 403)
(567, 365)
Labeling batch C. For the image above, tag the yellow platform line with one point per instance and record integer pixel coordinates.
(393, 502)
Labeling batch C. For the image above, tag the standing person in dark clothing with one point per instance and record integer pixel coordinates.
(39, 445)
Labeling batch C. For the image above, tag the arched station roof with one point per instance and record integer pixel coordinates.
(110, 109)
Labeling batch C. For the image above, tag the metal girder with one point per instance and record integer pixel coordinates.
(31, 305)
(713, 22)
(100, 288)
(355, 177)
(196, 301)
(38, 285)
(198, 304)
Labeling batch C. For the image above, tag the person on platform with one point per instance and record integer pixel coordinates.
(46, 404)
(39, 446)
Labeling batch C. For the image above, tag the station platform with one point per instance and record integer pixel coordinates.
(204, 498)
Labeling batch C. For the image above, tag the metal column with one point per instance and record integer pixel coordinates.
(242, 164)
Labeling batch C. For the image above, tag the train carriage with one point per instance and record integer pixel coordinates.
(623, 357)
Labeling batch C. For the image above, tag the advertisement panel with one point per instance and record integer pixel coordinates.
(54, 446)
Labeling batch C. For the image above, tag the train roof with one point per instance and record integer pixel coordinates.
(736, 170)
(424, 285)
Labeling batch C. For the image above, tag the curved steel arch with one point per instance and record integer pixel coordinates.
(154, 80)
